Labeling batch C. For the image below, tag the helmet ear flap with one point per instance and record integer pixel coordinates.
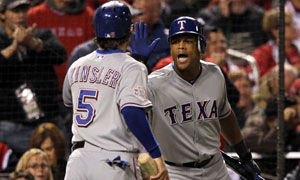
(201, 44)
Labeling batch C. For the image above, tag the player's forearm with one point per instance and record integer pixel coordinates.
(138, 124)
(230, 129)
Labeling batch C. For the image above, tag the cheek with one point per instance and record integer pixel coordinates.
(33, 172)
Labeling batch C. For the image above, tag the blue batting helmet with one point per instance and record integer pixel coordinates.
(185, 24)
(112, 20)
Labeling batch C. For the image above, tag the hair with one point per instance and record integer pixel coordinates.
(23, 161)
(111, 44)
(238, 74)
(50, 130)
(21, 174)
(271, 20)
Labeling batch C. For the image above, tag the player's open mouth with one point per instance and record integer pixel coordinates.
(182, 57)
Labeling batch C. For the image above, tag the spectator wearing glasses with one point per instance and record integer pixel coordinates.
(49, 138)
(37, 163)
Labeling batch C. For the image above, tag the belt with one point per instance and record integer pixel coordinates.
(76, 145)
(80, 144)
(195, 164)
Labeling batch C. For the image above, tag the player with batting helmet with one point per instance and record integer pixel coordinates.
(107, 89)
(190, 109)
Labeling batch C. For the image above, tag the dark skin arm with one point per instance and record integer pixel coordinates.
(230, 129)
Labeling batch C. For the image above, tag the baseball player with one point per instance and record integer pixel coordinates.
(107, 89)
(190, 109)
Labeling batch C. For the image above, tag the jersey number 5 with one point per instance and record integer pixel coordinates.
(85, 107)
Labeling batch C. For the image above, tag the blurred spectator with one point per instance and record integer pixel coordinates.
(70, 20)
(293, 7)
(295, 88)
(216, 50)
(36, 2)
(173, 9)
(261, 135)
(37, 163)
(21, 175)
(265, 4)
(267, 55)
(240, 22)
(245, 104)
(94, 4)
(162, 63)
(82, 50)
(269, 88)
(8, 160)
(28, 83)
(156, 29)
(50, 139)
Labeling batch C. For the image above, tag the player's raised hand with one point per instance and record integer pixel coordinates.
(139, 43)
(162, 170)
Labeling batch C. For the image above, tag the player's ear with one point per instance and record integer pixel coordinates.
(132, 28)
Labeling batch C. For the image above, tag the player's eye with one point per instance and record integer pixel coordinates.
(189, 41)
(174, 41)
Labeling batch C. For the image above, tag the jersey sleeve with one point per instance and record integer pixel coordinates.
(67, 96)
(150, 92)
(225, 107)
(132, 87)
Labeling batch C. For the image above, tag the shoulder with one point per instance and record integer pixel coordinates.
(211, 70)
(37, 9)
(161, 75)
(89, 10)
(83, 59)
(256, 11)
(162, 63)
(209, 66)
(88, 45)
(131, 62)
(263, 49)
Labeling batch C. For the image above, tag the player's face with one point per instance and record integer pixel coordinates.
(38, 167)
(48, 147)
(185, 53)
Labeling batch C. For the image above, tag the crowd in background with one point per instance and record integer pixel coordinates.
(39, 40)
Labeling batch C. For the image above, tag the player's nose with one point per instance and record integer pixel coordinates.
(181, 44)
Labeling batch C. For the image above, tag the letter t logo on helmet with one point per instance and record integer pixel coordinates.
(181, 23)
(187, 25)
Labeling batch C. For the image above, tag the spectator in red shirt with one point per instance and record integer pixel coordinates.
(70, 20)
(267, 55)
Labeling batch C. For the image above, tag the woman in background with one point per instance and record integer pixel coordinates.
(49, 138)
(37, 163)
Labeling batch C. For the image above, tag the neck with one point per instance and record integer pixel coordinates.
(190, 75)
(59, 4)
(123, 47)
